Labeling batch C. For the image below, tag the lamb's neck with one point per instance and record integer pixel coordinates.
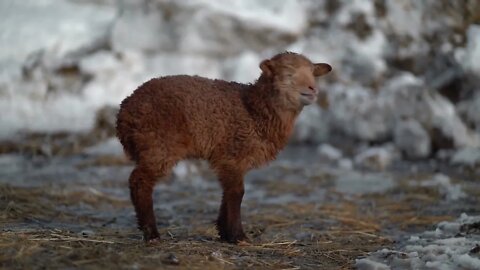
(272, 122)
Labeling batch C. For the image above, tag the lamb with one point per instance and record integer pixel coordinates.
(235, 127)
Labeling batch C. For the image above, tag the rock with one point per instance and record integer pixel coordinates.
(216, 255)
(467, 157)
(375, 158)
(412, 139)
(86, 233)
(171, 259)
(329, 152)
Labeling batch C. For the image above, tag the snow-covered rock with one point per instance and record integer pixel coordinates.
(470, 57)
(51, 27)
(411, 139)
(329, 152)
(141, 28)
(410, 98)
(356, 111)
(467, 157)
(39, 42)
(375, 158)
(227, 28)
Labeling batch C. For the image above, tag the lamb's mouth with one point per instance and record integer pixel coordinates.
(307, 98)
(308, 95)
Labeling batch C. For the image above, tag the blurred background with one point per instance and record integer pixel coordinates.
(405, 71)
(398, 143)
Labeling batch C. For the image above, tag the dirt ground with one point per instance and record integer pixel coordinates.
(62, 206)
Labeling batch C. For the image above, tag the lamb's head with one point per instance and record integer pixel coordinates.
(293, 78)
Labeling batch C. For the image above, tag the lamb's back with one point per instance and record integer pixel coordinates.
(203, 110)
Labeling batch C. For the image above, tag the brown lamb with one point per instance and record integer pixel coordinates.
(235, 127)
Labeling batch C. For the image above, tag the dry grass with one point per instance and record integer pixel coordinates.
(29, 238)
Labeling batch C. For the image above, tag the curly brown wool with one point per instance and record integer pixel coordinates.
(235, 127)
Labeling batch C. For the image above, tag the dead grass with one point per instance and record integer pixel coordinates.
(26, 244)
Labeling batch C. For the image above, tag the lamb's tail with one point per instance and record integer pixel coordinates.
(124, 134)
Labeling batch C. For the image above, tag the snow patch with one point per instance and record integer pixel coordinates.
(449, 246)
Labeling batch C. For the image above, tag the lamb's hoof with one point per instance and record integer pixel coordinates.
(244, 243)
(153, 241)
(235, 239)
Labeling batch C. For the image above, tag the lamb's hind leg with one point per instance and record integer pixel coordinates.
(142, 182)
(229, 223)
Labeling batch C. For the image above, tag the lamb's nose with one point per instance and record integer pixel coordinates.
(313, 89)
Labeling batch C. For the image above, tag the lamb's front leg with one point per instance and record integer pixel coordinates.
(229, 223)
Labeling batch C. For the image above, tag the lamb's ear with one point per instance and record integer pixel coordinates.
(321, 69)
(267, 67)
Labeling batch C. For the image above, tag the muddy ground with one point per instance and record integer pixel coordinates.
(66, 205)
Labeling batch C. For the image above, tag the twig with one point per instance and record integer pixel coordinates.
(72, 239)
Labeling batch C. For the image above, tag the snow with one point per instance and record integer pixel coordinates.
(451, 192)
(329, 152)
(366, 264)
(412, 139)
(376, 158)
(287, 15)
(467, 156)
(447, 247)
(471, 55)
(117, 45)
(33, 25)
(110, 146)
